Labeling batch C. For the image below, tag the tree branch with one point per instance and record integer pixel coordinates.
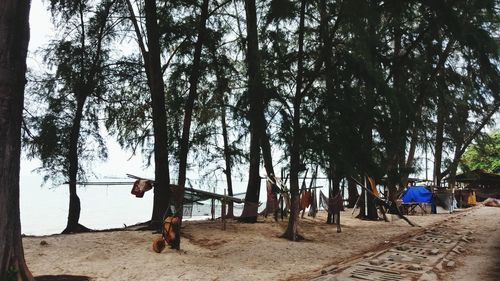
(471, 137)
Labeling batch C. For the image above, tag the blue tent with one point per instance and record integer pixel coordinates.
(417, 194)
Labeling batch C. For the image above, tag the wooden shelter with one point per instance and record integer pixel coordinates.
(483, 183)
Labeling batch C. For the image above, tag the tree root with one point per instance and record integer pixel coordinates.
(76, 229)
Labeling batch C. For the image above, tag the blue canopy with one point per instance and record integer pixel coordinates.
(417, 194)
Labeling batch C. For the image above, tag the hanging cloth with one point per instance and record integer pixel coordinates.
(373, 186)
(305, 199)
(331, 205)
(140, 187)
(314, 204)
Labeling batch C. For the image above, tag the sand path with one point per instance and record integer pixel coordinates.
(464, 246)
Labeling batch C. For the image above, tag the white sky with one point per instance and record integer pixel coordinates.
(40, 28)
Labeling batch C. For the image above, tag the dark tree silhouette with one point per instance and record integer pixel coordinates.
(151, 56)
(60, 136)
(14, 34)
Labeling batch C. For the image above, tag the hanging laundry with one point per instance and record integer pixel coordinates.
(314, 204)
(373, 186)
(305, 200)
(140, 187)
(333, 204)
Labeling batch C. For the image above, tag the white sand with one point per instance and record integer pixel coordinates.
(242, 252)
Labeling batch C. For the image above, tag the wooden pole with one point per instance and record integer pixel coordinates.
(212, 210)
(223, 211)
(356, 205)
(366, 202)
(343, 190)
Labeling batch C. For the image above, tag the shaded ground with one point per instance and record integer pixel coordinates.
(62, 278)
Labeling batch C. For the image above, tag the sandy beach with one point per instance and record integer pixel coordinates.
(247, 251)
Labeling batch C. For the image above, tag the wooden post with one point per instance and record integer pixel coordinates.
(282, 208)
(212, 210)
(366, 201)
(223, 211)
(343, 191)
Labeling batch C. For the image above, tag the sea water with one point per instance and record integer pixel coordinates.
(44, 208)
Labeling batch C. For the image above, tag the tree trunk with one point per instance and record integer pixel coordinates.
(250, 208)
(193, 93)
(188, 112)
(73, 224)
(353, 194)
(392, 187)
(227, 160)
(254, 91)
(335, 184)
(291, 231)
(221, 88)
(155, 81)
(419, 102)
(438, 145)
(396, 145)
(266, 146)
(268, 165)
(454, 165)
(411, 154)
(14, 34)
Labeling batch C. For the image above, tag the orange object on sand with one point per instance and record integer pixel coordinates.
(158, 244)
(168, 228)
(471, 198)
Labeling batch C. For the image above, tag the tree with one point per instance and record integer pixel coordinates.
(291, 231)
(63, 134)
(152, 65)
(470, 91)
(255, 113)
(188, 110)
(222, 71)
(484, 154)
(14, 31)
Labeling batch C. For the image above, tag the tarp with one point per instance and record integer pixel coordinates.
(417, 194)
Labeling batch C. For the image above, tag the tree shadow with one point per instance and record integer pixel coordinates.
(62, 278)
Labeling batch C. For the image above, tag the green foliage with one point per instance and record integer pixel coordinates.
(374, 72)
(281, 9)
(484, 154)
(67, 99)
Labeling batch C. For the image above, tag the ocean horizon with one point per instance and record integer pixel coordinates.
(44, 208)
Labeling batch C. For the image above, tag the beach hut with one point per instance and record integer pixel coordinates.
(484, 184)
